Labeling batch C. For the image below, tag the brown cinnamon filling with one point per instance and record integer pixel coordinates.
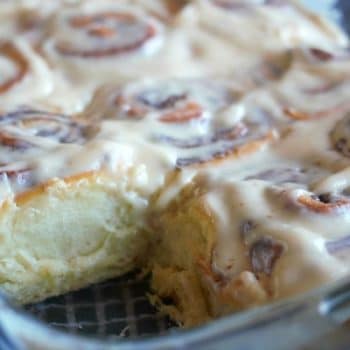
(263, 255)
(184, 114)
(10, 51)
(324, 204)
(301, 116)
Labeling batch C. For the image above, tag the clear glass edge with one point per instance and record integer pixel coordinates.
(311, 309)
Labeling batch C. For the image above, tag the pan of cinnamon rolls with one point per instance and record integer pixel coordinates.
(204, 142)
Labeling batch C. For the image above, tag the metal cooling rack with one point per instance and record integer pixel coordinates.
(115, 309)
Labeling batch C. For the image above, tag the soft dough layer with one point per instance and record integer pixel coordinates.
(67, 234)
(185, 234)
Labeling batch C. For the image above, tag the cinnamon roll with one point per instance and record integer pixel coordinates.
(198, 122)
(115, 42)
(239, 251)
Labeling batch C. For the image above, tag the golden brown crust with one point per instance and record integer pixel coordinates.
(177, 253)
(26, 196)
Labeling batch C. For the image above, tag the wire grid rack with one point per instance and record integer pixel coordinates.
(114, 309)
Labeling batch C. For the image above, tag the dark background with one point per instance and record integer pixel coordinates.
(344, 6)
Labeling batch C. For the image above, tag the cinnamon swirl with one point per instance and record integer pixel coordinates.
(115, 42)
(25, 76)
(199, 122)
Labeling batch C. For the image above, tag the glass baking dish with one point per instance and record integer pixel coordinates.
(317, 320)
(116, 314)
